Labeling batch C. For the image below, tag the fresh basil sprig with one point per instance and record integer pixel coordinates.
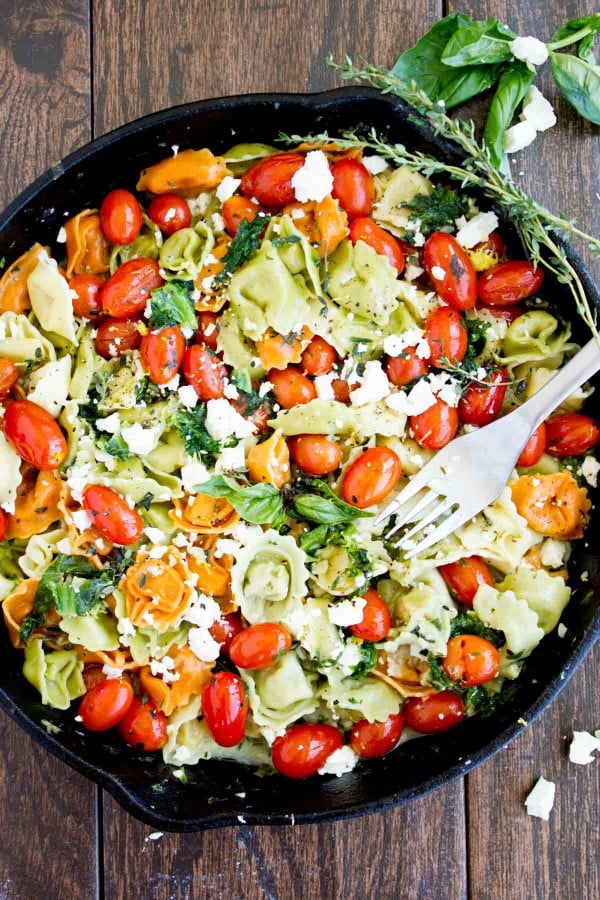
(260, 504)
(479, 42)
(512, 87)
(579, 81)
(316, 502)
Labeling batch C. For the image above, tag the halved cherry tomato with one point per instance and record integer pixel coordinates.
(480, 405)
(405, 368)
(104, 705)
(435, 427)
(35, 435)
(450, 270)
(371, 477)
(205, 372)
(373, 739)
(260, 417)
(493, 244)
(465, 577)
(116, 336)
(353, 186)
(446, 335)
(112, 515)
(9, 375)
(87, 303)
(304, 748)
(341, 390)
(471, 660)
(316, 454)
(319, 357)
(120, 217)
(259, 646)
(208, 330)
(144, 727)
(225, 708)
(225, 629)
(376, 621)
(3, 524)
(571, 434)
(170, 212)
(270, 180)
(236, 210)
(437, 712)
(509, 282)
(127, 291)
(380, 240)
(162, 352)
(535, 447)
(291, 387)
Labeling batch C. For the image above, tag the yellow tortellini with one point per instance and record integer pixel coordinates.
(280, 694)
(49, 385)
(399, 187)
(269, 577)
(21, 341)
(536, 337)
(95, 631)
(368, 698)
(425, 612)
(363, 282)
(185, 252)
(51, 300)
(506, 612)
(547, 595)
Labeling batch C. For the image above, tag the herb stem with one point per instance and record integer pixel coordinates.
(569, 39)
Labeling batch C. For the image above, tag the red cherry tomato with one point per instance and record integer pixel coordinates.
(304, 748)
(535, 447)
(465, 577)
(571, 434)
(315, 454)
(162, 352)
(291, 387)
(259, 646)
(205, 372)
(225, 708)
(9, 375)
(104, 705)
(471, 660)
(92, 675)
(450, 270)
(435, 427)
(319, 357)
(126, 292)
(260, 417)
(480, 405)
(116, 336)
(446, 335)
(438, 712)
(509, 282)
(341, 390)
(225, 629)
(208, 330)
(373, 739)
(35, 435)
(170, 212)
(405, 368)
(144, 727)
(270, 180)
(371, 477)
(353, 186)
(507, 313)
(3, 524)
(380, 240)
(120, 217)
(237, 210)
(112, 515)
(87, 303)
(493, 244)
(376, 621)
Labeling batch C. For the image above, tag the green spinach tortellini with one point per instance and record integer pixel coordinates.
(57, 675)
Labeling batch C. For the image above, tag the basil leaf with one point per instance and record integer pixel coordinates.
(579, 82)
(586, 49)
(321, 505)
(574, 26)
(479, 42)
(511, 89)
(260, 504)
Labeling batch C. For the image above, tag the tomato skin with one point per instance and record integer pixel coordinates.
(225, 708)
(465, 577)
(104, 705)
(435, 427)
(380, 240)
(405, 368)
(120, 217)
(116, 336)
(225, 629)
(458, 287)
(471, 660)
(437, 712)
(341, 390)
(9, 375)
(304, 748)
(509, 282)
(126, 292)
(35, 435)
(208, 330)
(480, 405)
(507, 313)
(170, 212)
(535, 447)
(92, 675)
(571, 434)
(162, 352)
(353, 186)
(376, 621)
(446, 335)
(204, 371)
(494, 244)
(87, 303)
(315, 453)
(371, 477)
(372, 739)
(291, 387)
(270, 179)
(319, 357)
(236, 210)
(144, 727)
(3, 524)
(258, 646)
(112, 515)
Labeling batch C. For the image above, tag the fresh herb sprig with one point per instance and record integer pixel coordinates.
(172, 304)
(245, 243)
(437, 211)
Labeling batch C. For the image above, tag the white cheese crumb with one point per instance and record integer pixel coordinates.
(374, 385)
(530, 50)
(313, 181)
(203, 645)
(192, 473)
(203, 612)
(218, 222)
(156, 835)
(112, 671)
(222, 420)
(540, 800)
(395, 344)
(347, 612)
(537, 110)
(61, 237)
(518, 136)
(111, 424)
(164, 668)
(561, 630)
(582, 746)
(188, 396)
(140, 440)
(227, 188)
(340, 762)
(323, 386)
(230, 391)
(155, 535)
(589, 469)
(419, 399)
(231, 458)
(477, 229)
(553, 553)
(264, 389)
(375, 164)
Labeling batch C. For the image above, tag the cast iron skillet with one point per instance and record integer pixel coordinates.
(142, 783)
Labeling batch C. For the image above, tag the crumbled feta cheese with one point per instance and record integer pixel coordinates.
(198, 205)
(350, 657)
(395, 344)
(81, 519)
(313, 181)
(561, 630)
(553, 553)
(582, 746)
(518, 136)
(231, 458)
(193, 473)
(173, 384)
(374, 385)
(155, 535)
(540, 800)
(126, 627)
(227, 188)
(64, 546)
(203, 645)
(140, 440)
(589, 469)
(188, 396)
(418, 399)
(222, 420)
(230, 391)
(61, 237)
(530, 50)
(347, 612)
(537, 110)
(156, 835)
(477, 229)
(323, 386)
(226, 547)
(411, 272)
(203, 612)
(438, 273)
(111, 424)
(112, 671)
(175, 149)
(375, 164)
(164, 668)
(340, 762)
(264, 388)
(218, 222)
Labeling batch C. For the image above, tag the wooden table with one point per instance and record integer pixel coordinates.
(71, 70)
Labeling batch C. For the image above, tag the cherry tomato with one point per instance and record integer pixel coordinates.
(509, 282)
(116, 336)
(120, 217)
(571, 434)
(260, 417)
(225, 629)
(493, 244)
(471, 660)
(162, 352)
(304, 748)
(87, 303)
(380, 240)
(446, 335)
(353, 186)
(480, 405)
(259, 646)
(437, 712)
(225, 708)
(270, 180)
(450, 270)
(104, 705)
(9, 375)
(371, 477)
(144, 727)
(435, 427)
(507, 313)
(208, 330)
(35, 435)
(112, 515)
(316, 454)
(205, 372)
(127, 291)
(535, 447)
(319, 357)
(3, 524)
(170, 212)
(237, 210)
(465, 577)
(373, 739)
(92, 675)
(291, 387)
(405, 368)
(376, 621)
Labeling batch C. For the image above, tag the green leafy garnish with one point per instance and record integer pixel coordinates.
(251, 398)
(512, 87)
(172, 304)
(114, 444)
(198, 442)
(479, 42)
(368, 661)
(244, 244)
(484, 703)
(468, 622)
(438, 211)
(146, 500)
(146, 392)
(315, 502)
(573, 465)
(261, 504)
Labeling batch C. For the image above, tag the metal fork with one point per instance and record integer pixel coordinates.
(472, 470)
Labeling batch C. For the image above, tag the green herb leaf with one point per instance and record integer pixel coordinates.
(484, 703)
(576, 29)
(586, 49)
(245, 243)
(477, 43)
(114, 444)
(261, 504)
(146, 500)
(468, 622)
(368, 660)
(512, 87)
(438, 211)
(321, 505)
(251, 398)
(198, 442)
(147, 392)
(172, 304)
(314, 540)
(579, 82)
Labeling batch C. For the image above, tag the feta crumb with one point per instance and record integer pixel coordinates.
(156, 835)
(553, 553)
(64, 546)
(164, 668)
(323, 386)
(155, 535)
(347, 612)
(418, 399)
(218, 222)
(231, 458)
(530, 50)
(112, 671)
(188, 396)
(375, 164)
(540, 800)
(313, 181)
(61, 237)
(374, 385)
(264, 388)
(203, 612)
(537, 110)
(395, 344)
(582, 746)
(518, 136)
(192, 473)
(227, 188)
(140, 440)
(589, 469)
(222, 420)
(230, 391)
(203, 645)
(111, 424)
(340, 762)
(561, 630)
(477, 229)
(81, 519)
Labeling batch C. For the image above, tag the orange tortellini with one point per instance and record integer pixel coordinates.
(203, 514)
(37, 503)
(189, 170)
(187, 677)
(14, 296)
(87, 249)
(158, 592)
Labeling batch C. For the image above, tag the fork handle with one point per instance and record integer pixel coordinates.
(577, 371)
